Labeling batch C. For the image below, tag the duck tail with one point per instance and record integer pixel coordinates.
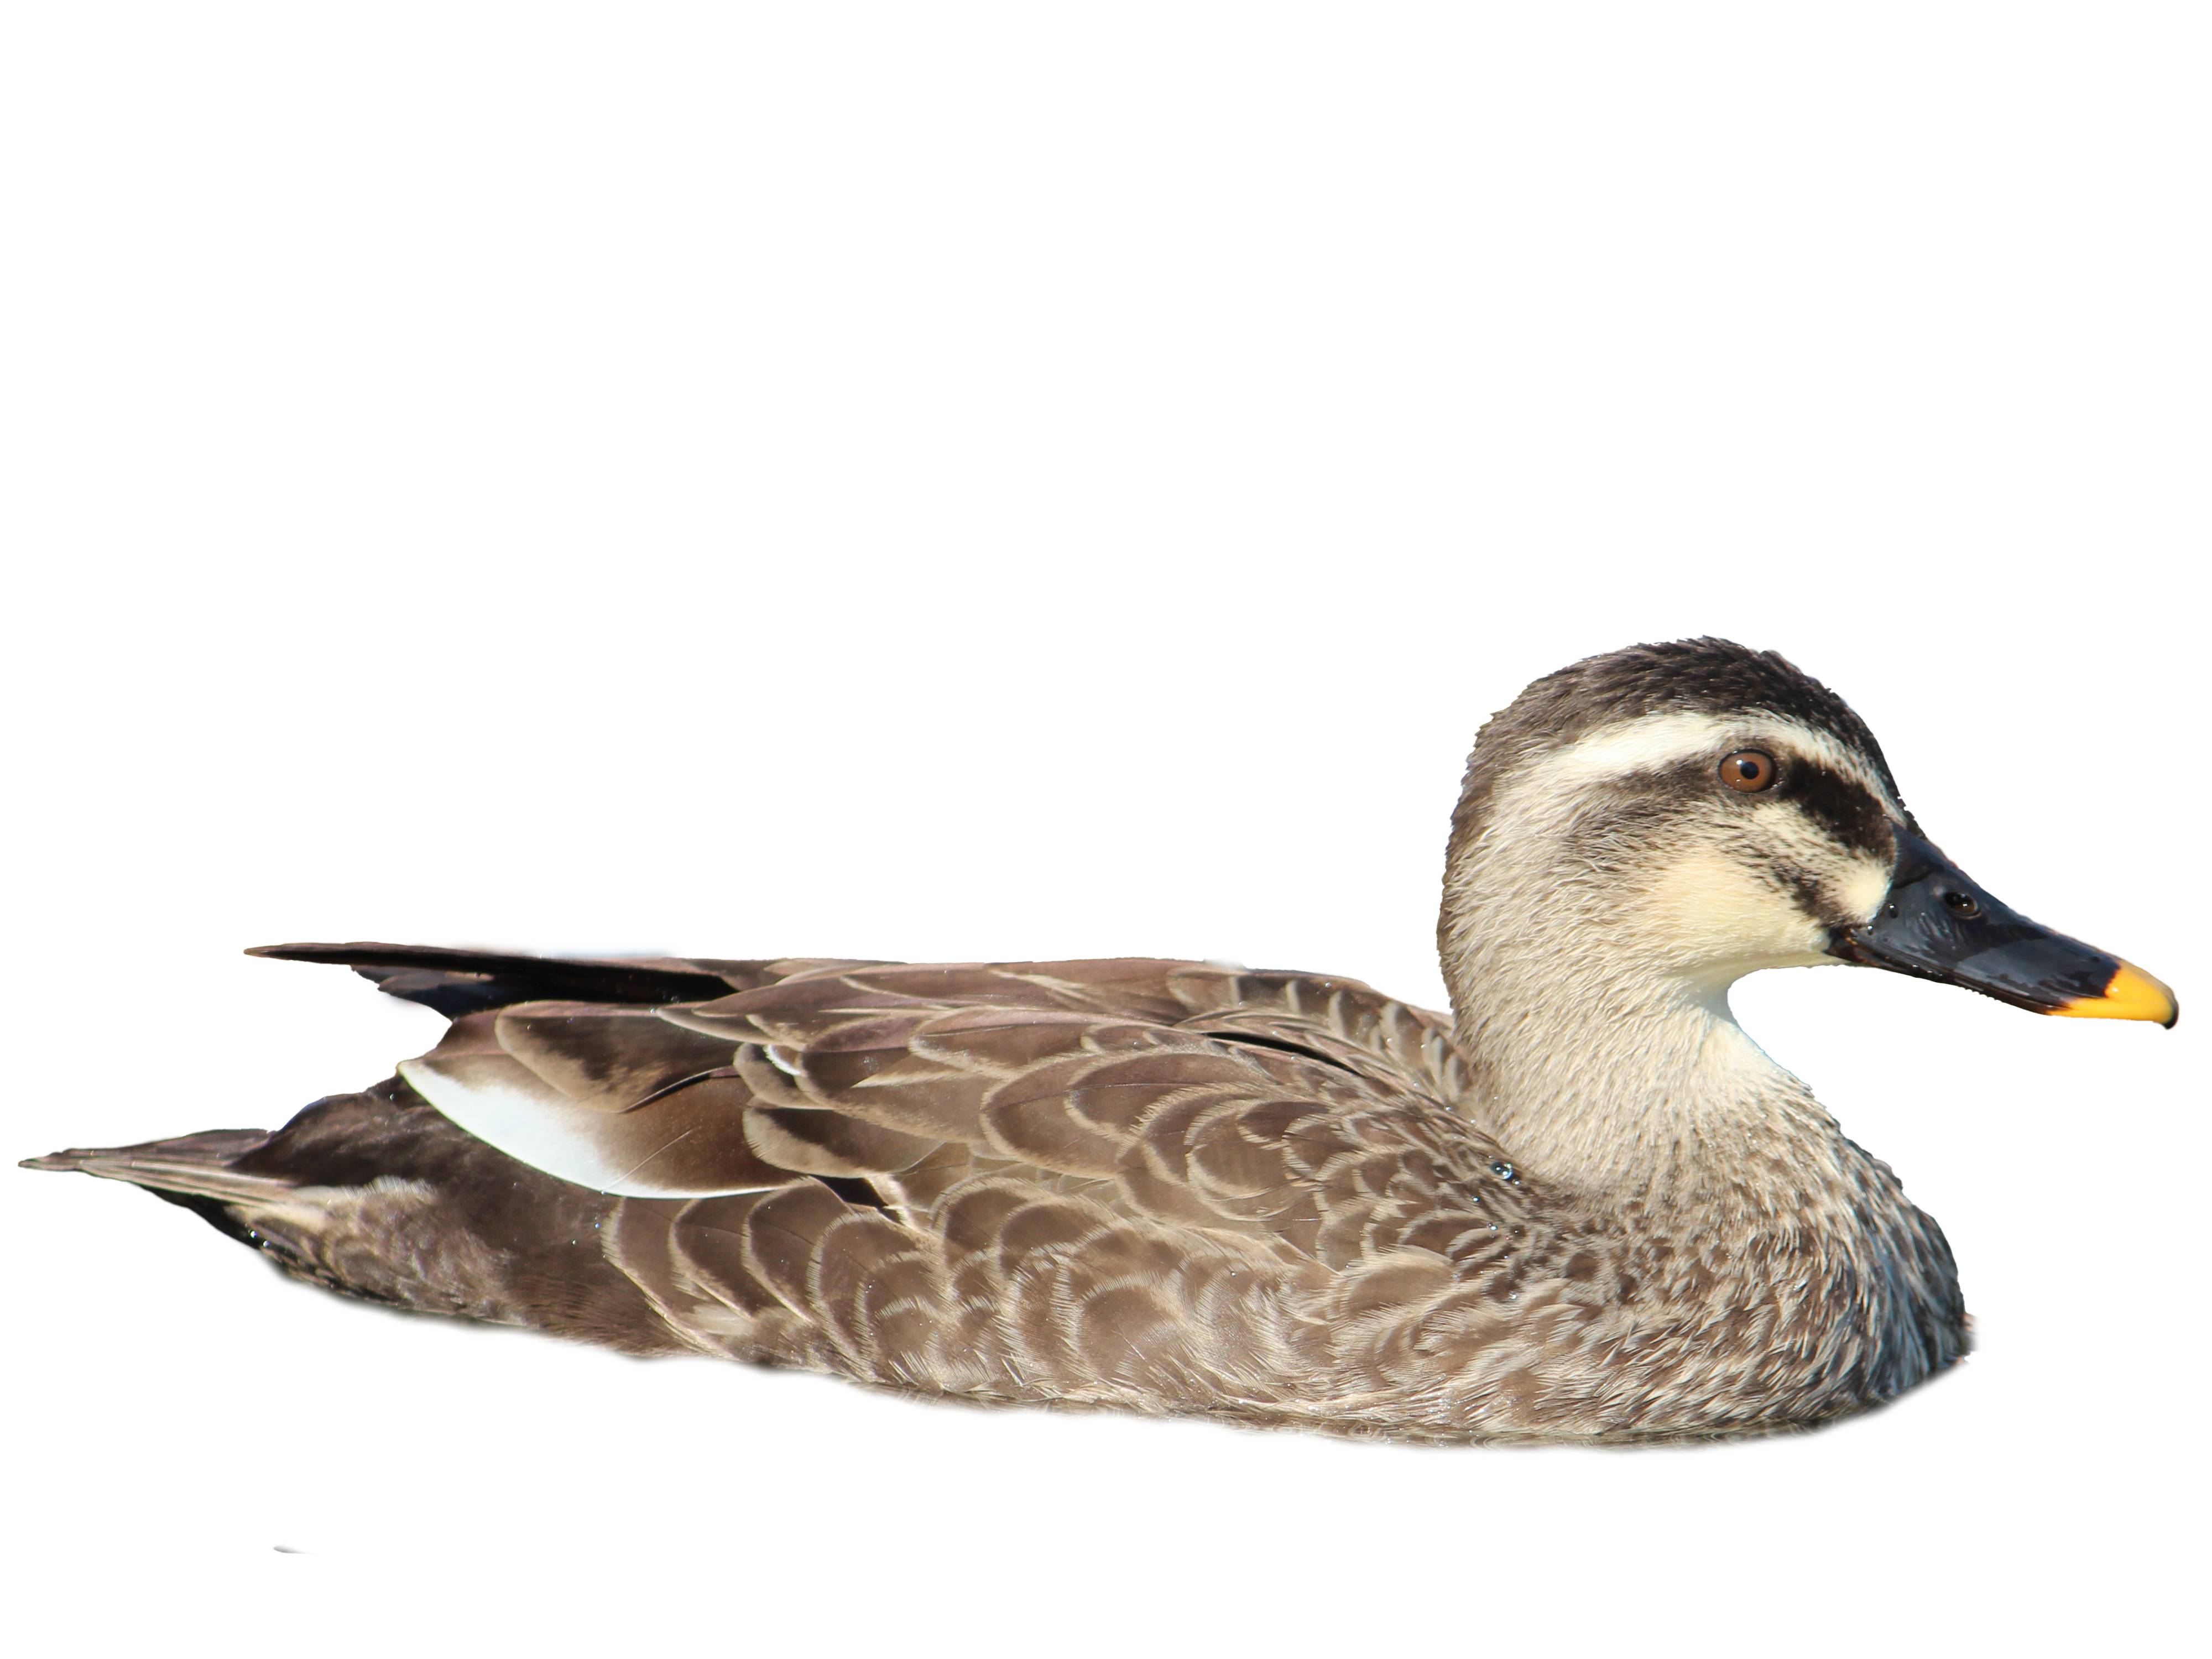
(188, 1166)
(378, 1195)
(194, 1171)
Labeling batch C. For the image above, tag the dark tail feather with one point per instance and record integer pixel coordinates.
(192, 1170)
(459, 982)
(297, 1200)
(198, 1166)
(378, 1195)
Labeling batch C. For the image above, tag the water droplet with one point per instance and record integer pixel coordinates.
(1501, 1170)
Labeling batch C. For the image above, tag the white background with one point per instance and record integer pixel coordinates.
(950, 482)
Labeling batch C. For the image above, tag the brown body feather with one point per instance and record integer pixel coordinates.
(1157, 1186)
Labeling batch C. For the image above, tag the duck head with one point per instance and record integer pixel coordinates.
(1640, 829)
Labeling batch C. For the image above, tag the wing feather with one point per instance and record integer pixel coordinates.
(1169, 1094)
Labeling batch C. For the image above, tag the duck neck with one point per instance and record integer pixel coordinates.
(1604, 1055)
(1646, 1100)
(1637, 1088)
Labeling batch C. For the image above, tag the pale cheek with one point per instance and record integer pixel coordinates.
(1708, 908)
(1862, 892)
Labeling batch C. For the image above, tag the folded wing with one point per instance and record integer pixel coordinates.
(1172, 1090)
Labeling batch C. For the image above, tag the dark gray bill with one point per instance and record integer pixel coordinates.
(1938, 924)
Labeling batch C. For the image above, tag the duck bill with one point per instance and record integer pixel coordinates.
(1937, 923)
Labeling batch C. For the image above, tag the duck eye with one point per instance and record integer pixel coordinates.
(1748, 769)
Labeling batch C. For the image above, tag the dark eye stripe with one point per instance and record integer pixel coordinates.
(1801, 886)
(1843, 806)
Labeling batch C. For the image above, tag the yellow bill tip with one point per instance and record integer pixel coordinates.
(2132, 994)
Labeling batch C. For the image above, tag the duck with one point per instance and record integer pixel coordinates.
(1581, 1206)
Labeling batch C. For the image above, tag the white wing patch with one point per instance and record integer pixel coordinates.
(503, 1103)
